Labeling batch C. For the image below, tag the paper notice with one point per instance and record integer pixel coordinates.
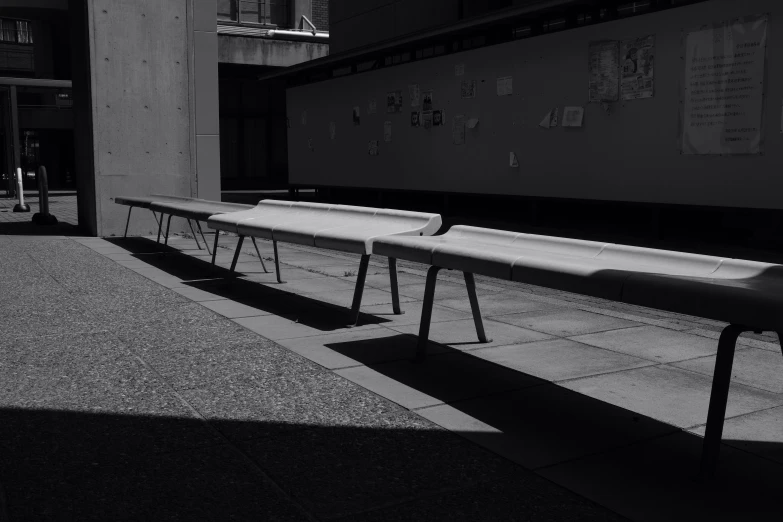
(357, 119)
(332, 129)
(547, 121)
(468, 88)
(471, 123)
(504, 86)
(458, 130)
(372, 147)
(387, 137)
(415, 119)
(604, 71)
(550, 120)
(304, 117)
(310, 144)
(459, 69)
(637, 59)
(415, 94)
(723, 91)
(512, 160)
(573, 116)
(438, 118)
(426, 119)
(394, 101)
(372, 106)
(426, 100)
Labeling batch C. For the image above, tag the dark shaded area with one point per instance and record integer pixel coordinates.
(31, 229)
(63, 465)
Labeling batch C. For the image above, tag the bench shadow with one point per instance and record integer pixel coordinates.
(310, 312)
(70, 465)
(547, 424)
(141, 245)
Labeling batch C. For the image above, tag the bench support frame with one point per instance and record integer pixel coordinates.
(429, 301)
(359, 290)
(277, 262)
(721, 382)
(394, 289)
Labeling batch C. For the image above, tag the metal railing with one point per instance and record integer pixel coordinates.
(275, 13)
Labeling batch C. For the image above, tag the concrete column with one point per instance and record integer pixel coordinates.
(204, 86)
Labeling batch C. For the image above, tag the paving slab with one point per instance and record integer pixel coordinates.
(752, 367)
(499, 304)
(214, 483)
(559, 359)
(412, 313)
(547, 424)
(670, 394)
(462, 334)
(757, 433)
(454, 375)
(337, 472)
(652, 343)
(353, 347)
(232, 309)
(564, 323)
(277, 328)
(657, 480)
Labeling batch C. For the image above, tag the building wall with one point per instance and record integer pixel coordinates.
(145, 92)
(321, 14)
(629, 153)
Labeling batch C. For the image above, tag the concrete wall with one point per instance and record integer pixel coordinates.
(147, 72)
(628, 154)
(261, 51)
(356, 23)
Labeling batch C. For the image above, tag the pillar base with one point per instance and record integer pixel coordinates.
(22, 207)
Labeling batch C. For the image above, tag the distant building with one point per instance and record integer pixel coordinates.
(132, 96)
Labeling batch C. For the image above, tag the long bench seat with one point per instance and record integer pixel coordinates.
(191, 209)
(342, 228)
(746, 294)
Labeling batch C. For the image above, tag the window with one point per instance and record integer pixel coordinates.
(265, 12)
(16, 31)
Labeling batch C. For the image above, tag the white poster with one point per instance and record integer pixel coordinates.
(604, 71)
(723, 91)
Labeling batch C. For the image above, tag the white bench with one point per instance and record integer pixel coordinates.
(189, 208)
(746, 294)
(335, 227)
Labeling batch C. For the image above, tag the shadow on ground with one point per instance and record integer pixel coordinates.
(31, 229)
(66, 465)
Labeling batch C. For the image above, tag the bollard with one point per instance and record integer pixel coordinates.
(43, 217)
(21, 206)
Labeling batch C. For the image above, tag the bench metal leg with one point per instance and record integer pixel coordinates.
(259, 255)
(394, 290)
(236, 253)
(127, 222)
(357, 293)
(168, 227)
(190, 224)
(426, 312)
(277, 262)
(721, 381)
(206, 245)
(214, 246)
(157, 221)
(160, 226)
(470, 283)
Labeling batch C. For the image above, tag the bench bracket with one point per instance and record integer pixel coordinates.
(277, 263)
(394, 289)
(470, 283)
(426, 312)
(359, 290)
(195, 237)
(259, 255)
(721, 381)
(236, 253)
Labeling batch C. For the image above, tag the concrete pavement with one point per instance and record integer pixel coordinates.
(606, 400)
